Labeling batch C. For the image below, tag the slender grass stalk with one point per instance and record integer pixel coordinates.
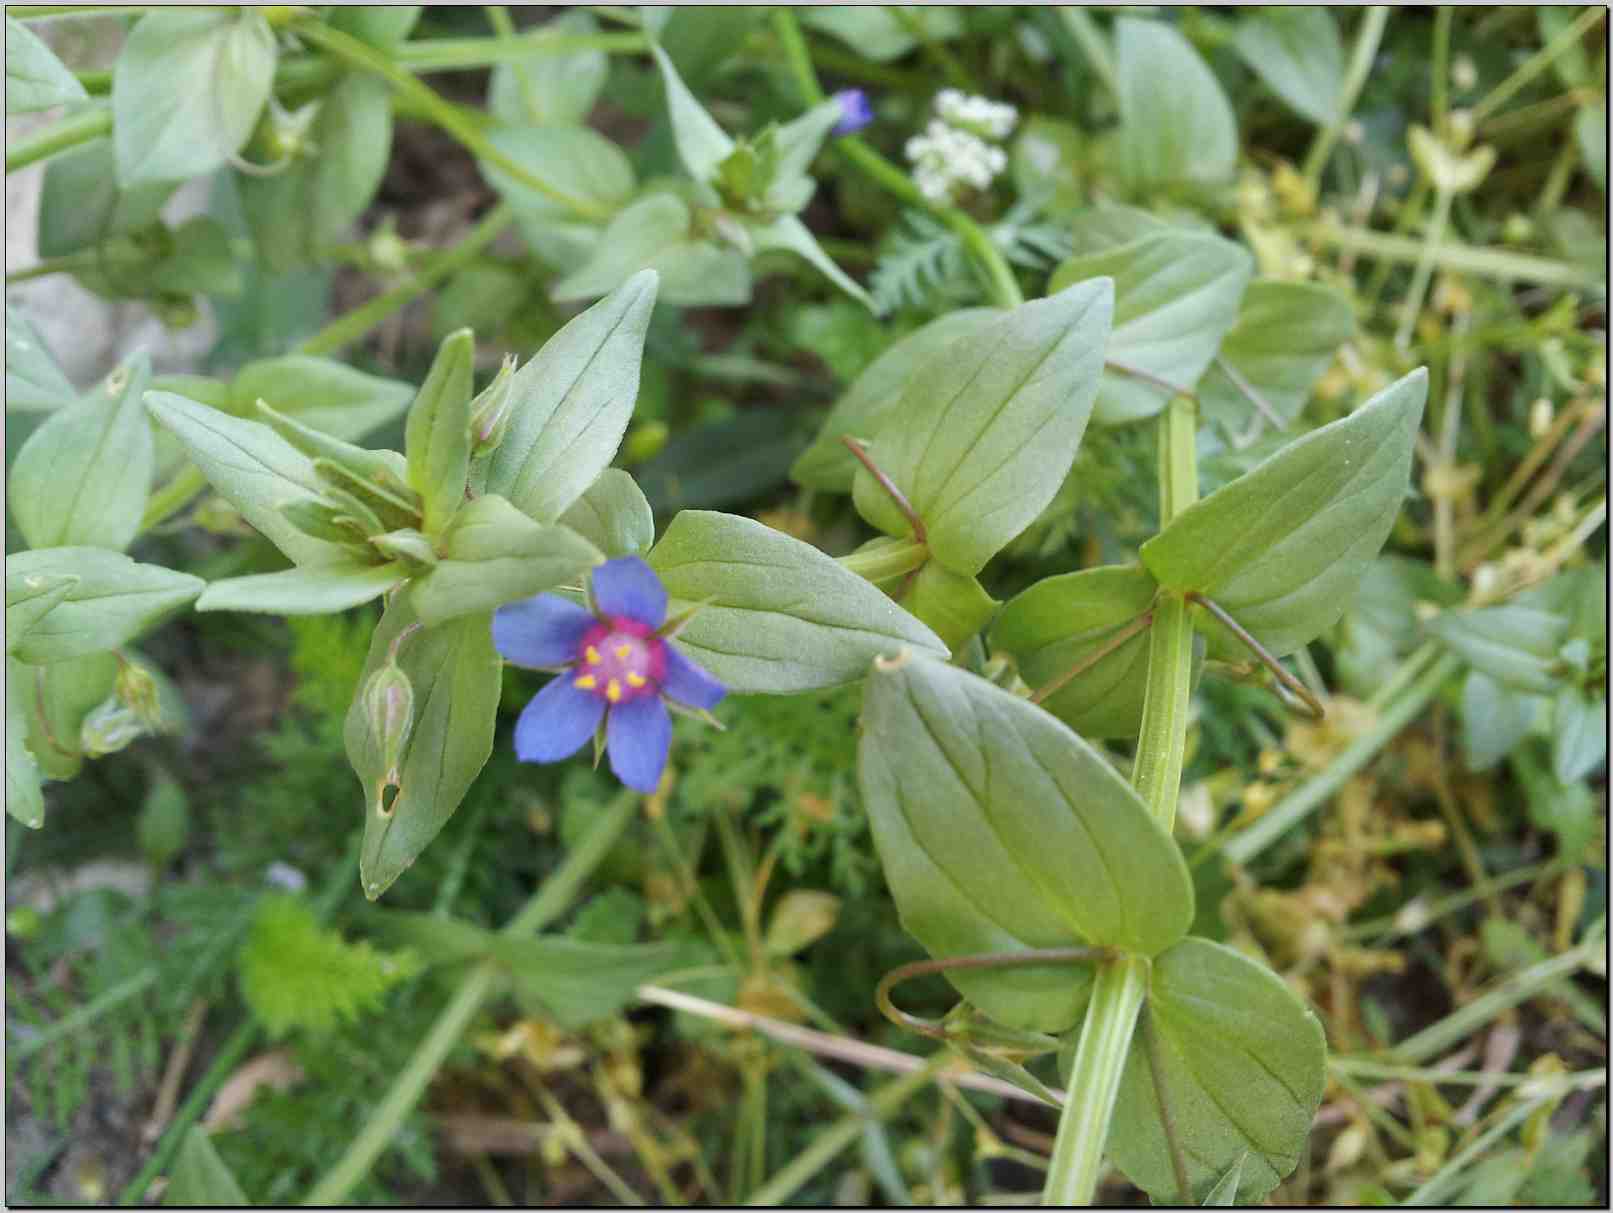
(1308, 797)
(882, 1105)
(1501, 264)
(1536, 63)
(1355, 77)
(349, 327)
(551, 899)
(63, 136)
(1122, 984)
(126, 990)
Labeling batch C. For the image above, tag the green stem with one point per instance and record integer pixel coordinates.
(1090, 39)
(944, 60)
(173, 497)
(1435, 1189)
(882, 1104)
(994, 271)
(888, 562)
(1439, 101)
(1413, 305)
(65, 135)
(1309, 797)
(551, 899)
(350, 327)
(133, 987)
(439, 112)
(1100, 1060)
(1122, 983)
(1355, 77)
(1536, 63)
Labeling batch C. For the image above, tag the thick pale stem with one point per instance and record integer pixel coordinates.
(1122, 984)
(1100, 1060)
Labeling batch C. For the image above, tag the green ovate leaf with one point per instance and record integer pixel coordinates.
(320, 393)
(29, 598)
(296, 214)
(1243, 1065)
(989, 431)
(492, 553)
(1579, 735)
(1044, 162)
(874, 395)
(1494, 720)
(382, 25)
(547, 89)
(81, 204)
(454, 672)
(875, 32)
(791, 235)
(25, 800)
(35, 78)
(1176, 295)
(586, 174)
(1176, 126)
(1297, 52)
(83, 476)
(1286, 336)
(570, 404)
(33, 380)
(613, 515)
(951, 605)
(702, 144)
(437, 437)
(186, 91)
(253, 468)
(776, 615)
(200, 1179)
(113, 600)
(314, 591)
(1515, 645)
(655, 233)
(1283, 547)
(1061, 622)
(1000, 829)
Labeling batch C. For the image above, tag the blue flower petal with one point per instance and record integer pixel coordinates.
(542, 631)
(638, 735)
(855, 111)
(688, 683)
(628, 587)
(557, 722)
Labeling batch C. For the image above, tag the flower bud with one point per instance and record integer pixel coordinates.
(109, 728)
(136, 690)
(389, 706)
(490, 411)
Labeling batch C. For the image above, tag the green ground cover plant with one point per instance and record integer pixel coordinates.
(1077, 537)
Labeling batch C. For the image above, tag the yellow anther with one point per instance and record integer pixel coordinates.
(592, 654)
(622, 650)
(635, 680)
(613, 691)
(587, 682)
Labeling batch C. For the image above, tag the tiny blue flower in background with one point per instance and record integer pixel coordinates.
(615, 666)
(855, 111)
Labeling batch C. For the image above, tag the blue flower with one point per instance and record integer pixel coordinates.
(615, 665)
(855, 111)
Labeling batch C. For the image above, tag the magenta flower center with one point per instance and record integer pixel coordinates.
(620, 660)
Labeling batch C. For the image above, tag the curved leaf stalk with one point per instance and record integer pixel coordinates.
(61, 137)
(1122, 984)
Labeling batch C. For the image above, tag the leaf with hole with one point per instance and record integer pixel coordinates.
(989, 432)
(1001, 830)
(775, 615)
(454, 671)
(1283, 547)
